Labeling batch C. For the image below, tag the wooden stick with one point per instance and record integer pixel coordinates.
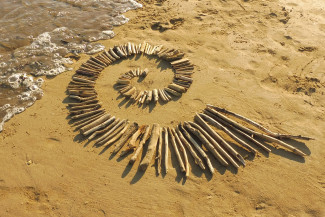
(84, 106)
(196, 130)
(197, 159)
(151, 147)
(218, 139)
(260, 127)
(113, 54)
(177, 88)
(115, 136)
(166, 149)
(87, 114)
(149, 97)
(221, 127)
(88, 120)
(142, 142)
(173, 92)
(179, 158)
(132, 143)
(182, 149)
(162, 96)
(105, 129)
(101, 140)
(155, 95)
(82, 111)
(95, 123)
(125, 137)
(99, 126)
(159, 155)
(237, 130)
(268, 138)
(198, 148)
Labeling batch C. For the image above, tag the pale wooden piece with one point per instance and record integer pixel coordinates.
(269, 138)
(95, 123)
(159, 154)
(87, 114)
(259, 126)
(100, 126)
(166, 149)
(197, 159)
(114, 137)
(149, 97)
(132, 143)
(179, 158)
(104, 137)
(130, 92)
(155, 95)
(125, 137)
(177, 88)
(151, 147)
(105, 129)
(216, 139)
(173, 92)
(140, 146)
(198, 148)
(182, 149)
(233, 136)
(88, 120)
(197, 131)
(162, 96)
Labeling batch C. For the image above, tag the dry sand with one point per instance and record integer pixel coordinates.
(262, 59)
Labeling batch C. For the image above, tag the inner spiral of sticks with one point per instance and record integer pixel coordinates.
(194, 138)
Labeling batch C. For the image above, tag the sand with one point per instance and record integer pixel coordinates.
(262, 59)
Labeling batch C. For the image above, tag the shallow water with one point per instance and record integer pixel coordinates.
(36, 35)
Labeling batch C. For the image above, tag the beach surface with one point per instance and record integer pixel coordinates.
(261, 59)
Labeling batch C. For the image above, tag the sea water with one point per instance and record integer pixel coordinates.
(36, 36)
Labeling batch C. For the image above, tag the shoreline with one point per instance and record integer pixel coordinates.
(241, 64)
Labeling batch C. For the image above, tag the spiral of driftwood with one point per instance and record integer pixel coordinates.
(194, 138)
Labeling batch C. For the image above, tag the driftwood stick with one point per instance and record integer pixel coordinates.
(84, 106)
(81, 111)
(132, 143)
(221, 127)
(159, 156)
(216, 139)
(260, 127)
(237, 130)
(115, 136)
(87, 120)
(99, 126)
(198, 148)
(95, 123)
(86, 114)
(177, 88)
(105, 129)
(166, 149)
(268, 138)
(106, 136)
(197, 159)
(173, 92)
(125, 137)
(179, 158)
(151, 147)
(182, 149)
(155, 95)
(196, 130)
(142, 142)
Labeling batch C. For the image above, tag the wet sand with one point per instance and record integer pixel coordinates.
(264, 60)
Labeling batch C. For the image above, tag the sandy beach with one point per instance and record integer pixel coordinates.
(261, 59)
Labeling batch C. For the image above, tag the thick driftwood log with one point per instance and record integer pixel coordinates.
(99, 126)
(142, 142)
(95, 123)
(179, 158)
(260, 127)
(155, 95)
(197, 131)
(177, 88)
(132, 143)
(268, 138)
(149, 97)
(125, 137)
(221, 127)
(107, 135)
(159, 154)
(197, 159)
(173, 92)
(151, 147)
(216, 139)
(182, 149)
(198, 148)
(107, 128)
(166, 149)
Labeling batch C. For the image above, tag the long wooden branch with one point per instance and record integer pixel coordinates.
(166, 143)
(140, 146)
(179, 158)
(124, 138)
(182, 149)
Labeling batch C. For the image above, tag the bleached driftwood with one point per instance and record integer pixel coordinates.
(151, 147)
(166, 144)
(132, 143)
(159, 153)
(179, 158)
(182, 149)
(124, 138)
(140, 146)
